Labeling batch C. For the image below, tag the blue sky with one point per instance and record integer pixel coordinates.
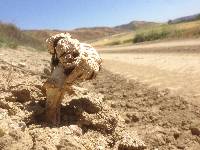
(69, 14)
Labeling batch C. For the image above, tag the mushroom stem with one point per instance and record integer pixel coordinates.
(54, 99)
(55, 93)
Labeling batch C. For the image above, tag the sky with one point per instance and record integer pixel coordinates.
(70, 14)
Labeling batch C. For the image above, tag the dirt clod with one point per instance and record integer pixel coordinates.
(195, 128)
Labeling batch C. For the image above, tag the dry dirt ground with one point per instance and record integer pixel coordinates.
(171, 65)
(160, 118)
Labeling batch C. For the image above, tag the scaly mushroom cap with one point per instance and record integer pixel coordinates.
(71, 53)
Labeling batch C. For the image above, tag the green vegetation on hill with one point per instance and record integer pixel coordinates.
(175, 31)
(153, 34)
(11, 36)
(158, 32)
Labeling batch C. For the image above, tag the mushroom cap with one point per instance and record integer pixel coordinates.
(71, 53)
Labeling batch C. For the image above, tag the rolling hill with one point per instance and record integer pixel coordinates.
(93, 33)
(163, 31)
(12, 36)
(82, 34)
(134, 25)
(185, 19)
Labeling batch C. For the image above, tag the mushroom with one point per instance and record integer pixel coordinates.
(71, 62)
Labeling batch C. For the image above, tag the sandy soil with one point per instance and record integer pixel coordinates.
(173, 65)
(161, 119)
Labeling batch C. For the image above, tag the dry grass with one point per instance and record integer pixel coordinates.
(160, 32)
(11, 36)
(111, 40)
(177, 31)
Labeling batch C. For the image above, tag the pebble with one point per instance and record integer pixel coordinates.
(47, 71)
(113, 105)
(22, 125)
(129, 105)
(134, 117)
(195, 128)
(76, 130)
(22, 64)
(4, 67)
(180, 145)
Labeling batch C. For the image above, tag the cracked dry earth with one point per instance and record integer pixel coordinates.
(102, 114)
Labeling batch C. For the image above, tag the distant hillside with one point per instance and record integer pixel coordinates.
(11, 36)
(94, 33)
(89, 34)
(82, 34)
(41, 35)
(85, 34)
(183, 30)
(185, 19)
(134, 25)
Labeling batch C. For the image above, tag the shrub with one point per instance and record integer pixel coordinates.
(139, 38)
(12, 36)
(151, 35)
(12, 45)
